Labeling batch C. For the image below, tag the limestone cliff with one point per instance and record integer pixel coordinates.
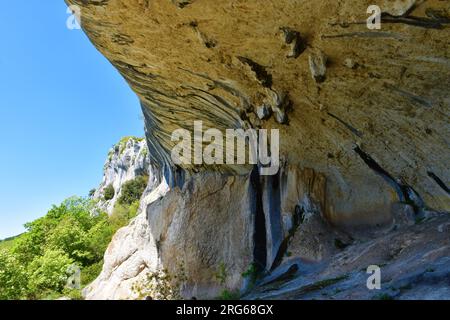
(376, 126)
(126, 160)
(363, 117)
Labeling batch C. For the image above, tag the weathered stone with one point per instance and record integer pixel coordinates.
(294, 40)
(349, 63)
(318, 66)
(413, 261)
(130, 255)
(263, 112)
(403, 214)
(397, 7)
(125, 162)
(445, 227)
(402, 80)
(208, 227)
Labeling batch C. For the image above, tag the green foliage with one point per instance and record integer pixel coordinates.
(122, 214)
(70, 236)
(161, 285)
(71, 233)
(99, 237)
(229, 295)
(221, 274)
(109, 192)
(73, 294)
(92, 192)
(383, 296)
(8, 243)
(91, 272)
(123, 142)
(145, 151)
(132, 190)
(49, 272)
(35, 266)
(13, 278)
(251, 274)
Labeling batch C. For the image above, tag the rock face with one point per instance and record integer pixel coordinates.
(131, 254)
(126, 160)
(413, 261)
(178, 231)
(378, 132)
(363, 120)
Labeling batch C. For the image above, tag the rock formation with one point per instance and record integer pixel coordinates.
(362, 114)
(126, 160)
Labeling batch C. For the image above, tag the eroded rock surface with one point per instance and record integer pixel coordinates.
(217, 61)
(126, 160)
(413, 261)
(131, 254)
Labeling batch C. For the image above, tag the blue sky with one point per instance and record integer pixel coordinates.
(62, 106)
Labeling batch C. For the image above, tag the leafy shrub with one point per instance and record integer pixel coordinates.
(122, 214)
(99, 237)
(251, 274)
(123, 143)
(229, 295)
(49, 272)
(160, 285)
(73, 294)
(109, 192)
(132, 190)
(221, 274)
(91, 272)
(70, 233)
(92, 192)
(13, 278)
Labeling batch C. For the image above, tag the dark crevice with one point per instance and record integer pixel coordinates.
(415, 99)
(294, 39)
(438, 180)
(290, 274)
(405, 193)
(260, 233)
(348, 126)
(429, 23)
(298, 219)
(274, 224)
(261, 73)
(182, 3)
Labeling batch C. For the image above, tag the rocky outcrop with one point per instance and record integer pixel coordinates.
(126, 160)
(376, 130)
(363, 127)
(130, 256)
(413, 262)
(178, 230)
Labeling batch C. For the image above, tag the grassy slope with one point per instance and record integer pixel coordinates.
(8, 242)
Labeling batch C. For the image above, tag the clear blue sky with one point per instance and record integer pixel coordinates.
(62, 106)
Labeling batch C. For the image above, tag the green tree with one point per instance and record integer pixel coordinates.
(99, 237)
(122, 214)
(132, 190)
(109, 192)
(49, 272)
(70, 237)
(13, 278)
(92, 193)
